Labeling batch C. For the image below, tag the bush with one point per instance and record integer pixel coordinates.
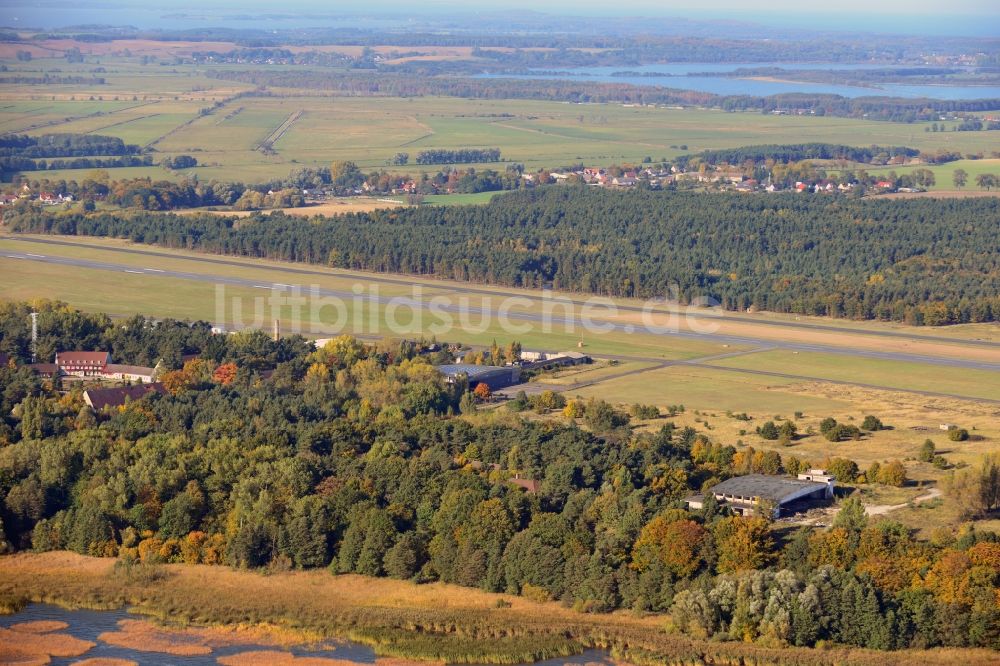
(892, 474)
(872, 423)
(827, 424)
(535, 593)
(958, 434)
(768, 431)
(840, 432)
(644, 411)
(926, 451)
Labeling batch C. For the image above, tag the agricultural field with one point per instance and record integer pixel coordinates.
(943, 173)
(159, 105)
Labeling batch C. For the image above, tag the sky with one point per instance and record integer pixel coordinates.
(980, 18)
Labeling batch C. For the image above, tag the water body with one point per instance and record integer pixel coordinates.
(679, 75)
(89, 624)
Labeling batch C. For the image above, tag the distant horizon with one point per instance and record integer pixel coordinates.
(965, 19)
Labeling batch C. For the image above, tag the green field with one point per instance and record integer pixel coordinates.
(916, 376)
(943, 173)
(160, 105)
(122, 293)
(706, 388)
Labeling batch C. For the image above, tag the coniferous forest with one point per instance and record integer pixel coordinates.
(350, 457)
(922, 261)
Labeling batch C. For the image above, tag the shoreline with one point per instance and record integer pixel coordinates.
(424, 623)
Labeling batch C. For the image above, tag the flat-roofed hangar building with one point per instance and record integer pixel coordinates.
(743, 494)
(495, 376)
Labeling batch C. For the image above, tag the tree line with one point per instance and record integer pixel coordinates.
(459, 156)
(925, 261)
(64, 145)
(11, 164)
(799, 152)
(351, 457)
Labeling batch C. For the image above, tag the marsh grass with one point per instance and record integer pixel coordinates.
(401, 620)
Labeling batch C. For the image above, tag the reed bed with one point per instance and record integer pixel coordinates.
(401, 620)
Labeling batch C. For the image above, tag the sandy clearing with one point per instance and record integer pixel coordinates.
(940, 194)
(338, 207)
(882, 509)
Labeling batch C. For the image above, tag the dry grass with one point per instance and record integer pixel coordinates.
(22, 647)
(138, 47)
(941, 194)
(335, 207)
(39, 626)
(146, 637)
(431, 622)
(277, 658)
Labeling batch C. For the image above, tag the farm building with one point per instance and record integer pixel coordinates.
(496, 377)
(743, 494)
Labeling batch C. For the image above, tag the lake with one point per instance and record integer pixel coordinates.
(678, 75)
(89, 625)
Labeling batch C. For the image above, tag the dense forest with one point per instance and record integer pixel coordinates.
(924, 261)
(350, 457)
(798, 152)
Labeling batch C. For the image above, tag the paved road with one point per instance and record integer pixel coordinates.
(570, 323)
(498, 291)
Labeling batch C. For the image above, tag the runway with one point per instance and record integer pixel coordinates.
(527, 317)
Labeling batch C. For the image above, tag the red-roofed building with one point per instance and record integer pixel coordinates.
(82, 364)
(44, 370)
(529, 485)
(98, 399)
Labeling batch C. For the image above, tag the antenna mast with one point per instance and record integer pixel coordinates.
(34, 337)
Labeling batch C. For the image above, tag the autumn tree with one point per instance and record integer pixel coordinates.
(675, 544)
(483, 392)
(892, 474)
(225, 374)
(742, 543)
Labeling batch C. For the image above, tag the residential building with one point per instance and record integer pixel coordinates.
(82, 364)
